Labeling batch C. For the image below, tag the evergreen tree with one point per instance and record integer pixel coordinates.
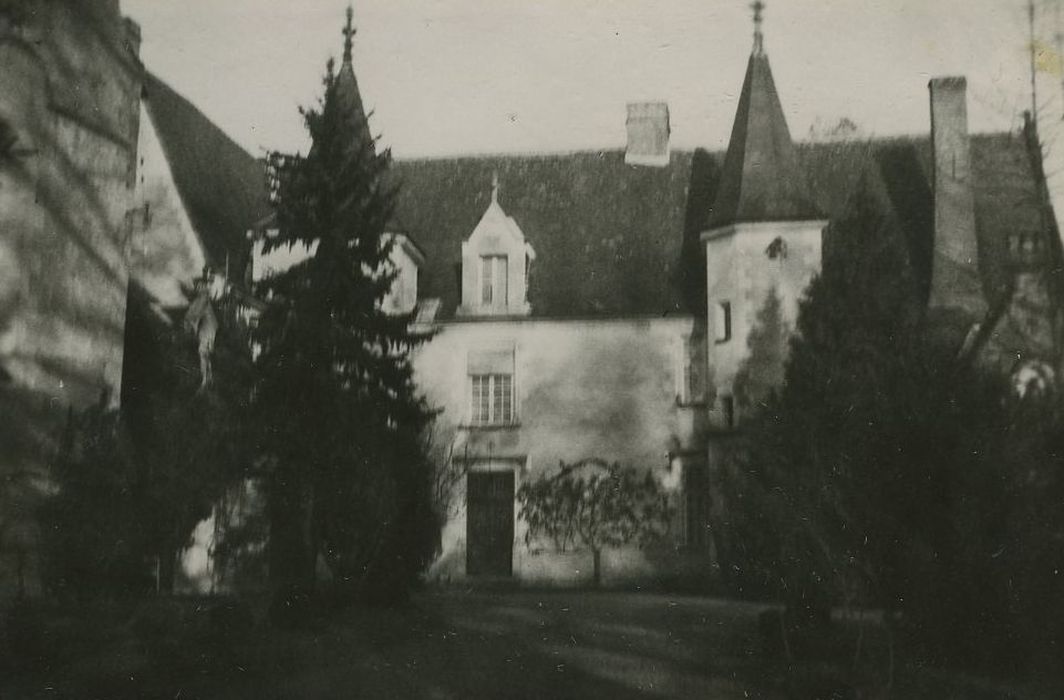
(339, 415)
(888, 475)
(841, 474)
(133, 484)
(189, 436)
(762, 373)
(92, 545)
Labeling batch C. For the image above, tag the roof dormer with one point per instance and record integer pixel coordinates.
(495, 262)
(405, 260)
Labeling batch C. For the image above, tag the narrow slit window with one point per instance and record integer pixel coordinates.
(724, 321)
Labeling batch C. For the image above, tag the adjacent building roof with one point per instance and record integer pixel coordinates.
(222, 187)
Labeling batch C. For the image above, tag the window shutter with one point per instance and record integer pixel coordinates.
(486, 286)
(502, 280)
(491, 362)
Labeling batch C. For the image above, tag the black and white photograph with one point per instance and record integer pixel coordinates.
(537, 349)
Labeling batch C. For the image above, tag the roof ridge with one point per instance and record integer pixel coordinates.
(495, 155)
(679, 150)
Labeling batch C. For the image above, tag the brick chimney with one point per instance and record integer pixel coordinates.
(956, 286)
(648, 134)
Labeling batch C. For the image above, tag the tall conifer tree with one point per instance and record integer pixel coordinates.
(338, 409)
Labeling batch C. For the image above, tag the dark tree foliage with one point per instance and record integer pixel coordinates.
(190, 442)
(594, 504)
(889, 475)
(819, 432)
(133, 484)
(241, 538)
(14, 11)
(339, 417)
(762, 373)
(92, 545)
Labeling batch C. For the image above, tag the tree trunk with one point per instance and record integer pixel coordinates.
(596, 555)
(292, 557)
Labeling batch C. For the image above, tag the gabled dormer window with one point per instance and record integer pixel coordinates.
(496, 260)
(404, 261)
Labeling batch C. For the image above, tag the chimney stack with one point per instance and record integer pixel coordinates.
(956, 285)
(648, 134)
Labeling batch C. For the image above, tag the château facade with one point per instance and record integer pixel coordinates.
(594, 304)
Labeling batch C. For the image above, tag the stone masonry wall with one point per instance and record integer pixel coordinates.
(69, 100)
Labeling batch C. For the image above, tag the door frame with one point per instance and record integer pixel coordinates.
(492, 469)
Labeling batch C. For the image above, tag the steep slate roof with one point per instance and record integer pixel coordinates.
(611, 239)
(761, 180)
(222, 187)
(615, 240)
(607, 235)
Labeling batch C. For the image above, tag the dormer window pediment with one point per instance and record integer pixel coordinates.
(495, 266)
(405, 260)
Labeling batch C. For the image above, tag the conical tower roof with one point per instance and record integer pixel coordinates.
(346, 95)
(760, 180)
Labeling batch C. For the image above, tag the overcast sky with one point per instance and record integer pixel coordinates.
(482, 76)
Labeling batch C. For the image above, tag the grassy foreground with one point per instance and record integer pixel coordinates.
(447, 644)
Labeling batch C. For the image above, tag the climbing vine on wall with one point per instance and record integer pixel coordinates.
(594, 504)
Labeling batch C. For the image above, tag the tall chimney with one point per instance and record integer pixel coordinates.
(648, 134)
(956, 297)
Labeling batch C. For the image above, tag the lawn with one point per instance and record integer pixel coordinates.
(457, 644)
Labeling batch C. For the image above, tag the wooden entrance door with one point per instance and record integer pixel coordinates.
(489, 524)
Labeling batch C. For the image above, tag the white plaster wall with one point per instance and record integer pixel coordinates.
(402, 297)
(278, 260)
(166, 249)
(602, 388)
(738, 270)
